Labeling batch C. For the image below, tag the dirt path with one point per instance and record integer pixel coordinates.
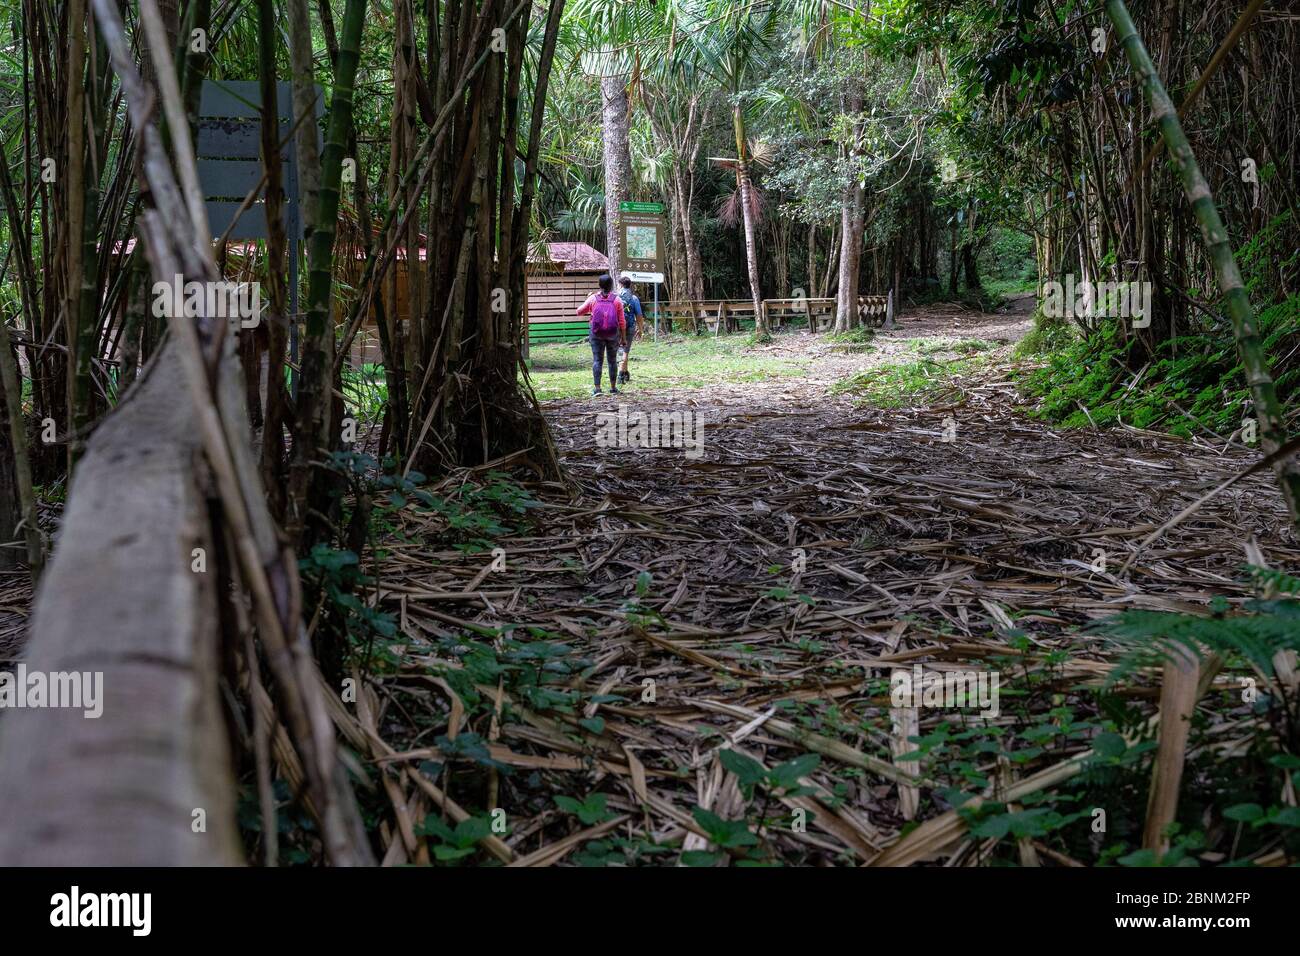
(766, 589)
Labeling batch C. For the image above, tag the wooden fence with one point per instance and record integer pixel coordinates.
(728, 314)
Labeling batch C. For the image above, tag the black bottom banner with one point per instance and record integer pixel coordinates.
(335, 906)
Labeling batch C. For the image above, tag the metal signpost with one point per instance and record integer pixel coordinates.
(655, 278)
(642, 226)
(229, 153)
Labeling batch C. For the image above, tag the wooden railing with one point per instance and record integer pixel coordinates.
(727, 314)
(123, 607)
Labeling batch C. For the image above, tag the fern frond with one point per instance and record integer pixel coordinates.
(1256, 635)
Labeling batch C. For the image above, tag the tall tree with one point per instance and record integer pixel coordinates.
(730, 42)
(852, 214)
(618, 162)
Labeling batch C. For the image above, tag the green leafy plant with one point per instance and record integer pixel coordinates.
(458, 843)
(590, 810)
(726, 834)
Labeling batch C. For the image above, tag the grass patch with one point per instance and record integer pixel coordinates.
(1005, 288)
(911, 383)
(854, 340)
(1047, 336)
(675, 361)
(928, 347)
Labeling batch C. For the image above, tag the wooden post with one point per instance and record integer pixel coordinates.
(130, 604)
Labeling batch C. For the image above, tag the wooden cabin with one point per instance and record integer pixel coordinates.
(558, 278)
(557, 283)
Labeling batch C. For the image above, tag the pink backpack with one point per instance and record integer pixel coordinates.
(604, 316)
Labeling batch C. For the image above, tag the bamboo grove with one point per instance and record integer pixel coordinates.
(459, 174)
(100, 213)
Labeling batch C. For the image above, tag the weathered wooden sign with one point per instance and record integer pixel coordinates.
(229, 155)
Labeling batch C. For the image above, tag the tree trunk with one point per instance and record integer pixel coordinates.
(851, 216)
(832, 259)
(900, 259)
(812, 260)
(953, 261)
(694, 264)
(781, 259)
(618, 163)
(968, 260)
(677, 282)
(846, 305)
(747, 214)
(694, 284)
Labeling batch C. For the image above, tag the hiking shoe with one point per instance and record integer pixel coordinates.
(623, 378)
(596, 390)
(613, 390)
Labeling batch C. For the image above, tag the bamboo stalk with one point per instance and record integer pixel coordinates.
(272, 463)
(1268, 411)
(313, 421)
(12, 384)
(1179, 692)
(74, 181)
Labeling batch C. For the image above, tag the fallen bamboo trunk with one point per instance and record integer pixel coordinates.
(120, 599)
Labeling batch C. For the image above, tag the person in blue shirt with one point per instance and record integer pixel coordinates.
(633, 311)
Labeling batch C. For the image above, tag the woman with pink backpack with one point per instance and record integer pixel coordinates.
(608, 331)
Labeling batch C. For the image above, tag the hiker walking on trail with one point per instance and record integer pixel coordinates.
(608, 331)
(632, 309)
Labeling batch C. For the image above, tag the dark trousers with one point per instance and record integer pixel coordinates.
(602, 351)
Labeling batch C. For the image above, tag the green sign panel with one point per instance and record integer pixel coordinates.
(643, 240)
(652, 207)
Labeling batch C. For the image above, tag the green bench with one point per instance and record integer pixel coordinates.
(557, 331)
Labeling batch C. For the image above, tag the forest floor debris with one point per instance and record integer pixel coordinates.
(586, 681)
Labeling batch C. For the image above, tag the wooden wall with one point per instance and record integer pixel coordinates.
(550, 298)
(553, 298)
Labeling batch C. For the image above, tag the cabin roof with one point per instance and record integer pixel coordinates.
(575, 256)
